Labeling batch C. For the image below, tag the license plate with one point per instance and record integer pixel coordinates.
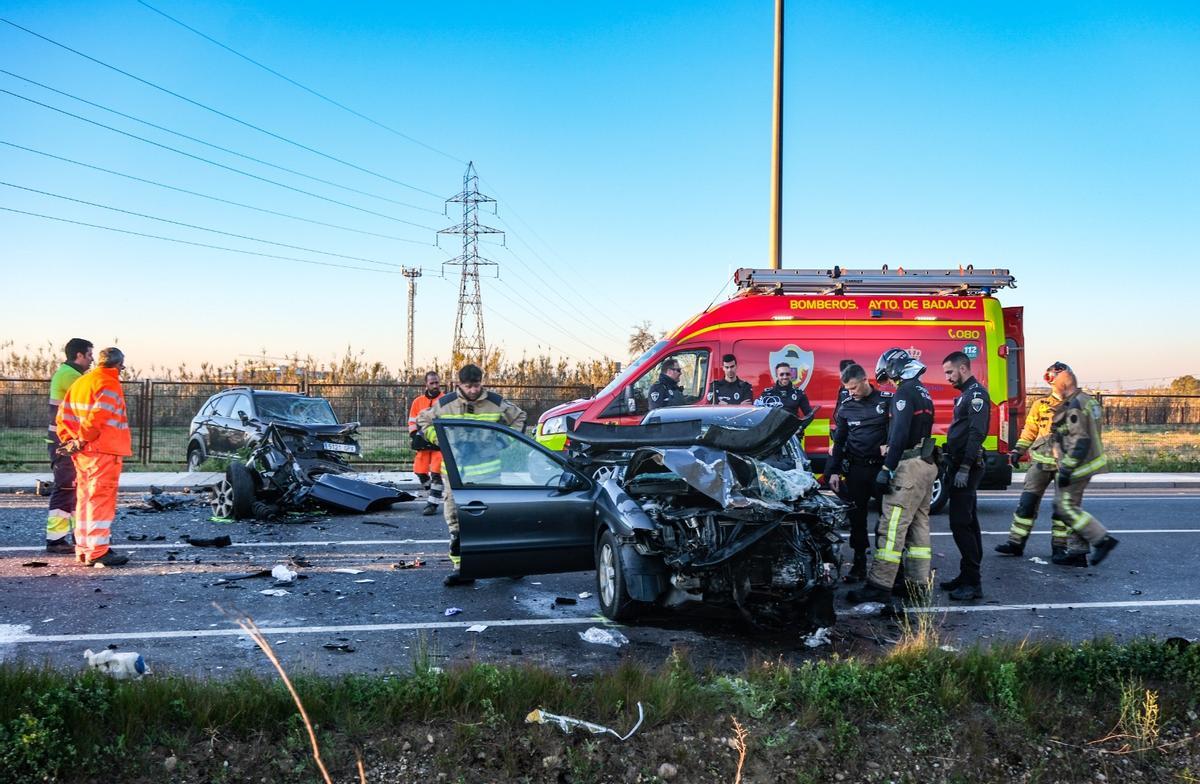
(332, 447)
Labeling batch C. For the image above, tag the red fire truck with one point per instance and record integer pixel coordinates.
(812, 319)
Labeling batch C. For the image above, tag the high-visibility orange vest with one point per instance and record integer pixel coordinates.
(419, 404)
(94, 411)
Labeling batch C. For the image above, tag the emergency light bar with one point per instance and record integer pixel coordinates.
(963, 281)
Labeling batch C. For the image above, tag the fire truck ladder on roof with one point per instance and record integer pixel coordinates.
(942, 282)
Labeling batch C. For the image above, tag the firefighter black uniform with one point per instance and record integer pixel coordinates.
(789, 397)
(905, 482)
(964, 471)
(665, 392)
(730, 393)
(862, 428)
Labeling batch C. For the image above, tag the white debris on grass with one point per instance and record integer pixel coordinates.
(121, 665)
(818, 638)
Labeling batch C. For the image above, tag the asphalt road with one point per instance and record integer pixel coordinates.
(164, 604)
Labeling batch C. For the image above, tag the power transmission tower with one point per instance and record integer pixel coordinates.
(469, 342)
(412, 273)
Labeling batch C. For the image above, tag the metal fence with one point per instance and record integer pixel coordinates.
(160, 414)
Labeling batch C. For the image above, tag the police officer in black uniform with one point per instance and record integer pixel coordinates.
(843, 393)
(784, 394)
(731, 390)
(666, 391)
(862, 426)
(963, 460)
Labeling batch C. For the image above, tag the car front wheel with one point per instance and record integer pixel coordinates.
(615, 601)
(195, 458)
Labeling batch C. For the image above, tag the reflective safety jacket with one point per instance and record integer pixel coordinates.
(488, 407)
(1036, 435)
(66, 375)
(94, 411)
(1077, 436)
(478, 459)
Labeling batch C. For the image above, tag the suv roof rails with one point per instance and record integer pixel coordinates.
(962, 281)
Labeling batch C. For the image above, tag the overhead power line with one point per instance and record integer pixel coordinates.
(216, 163)
(196, 244)
(211, 197)
(302, 86)
(198, 228)
(220, 113)
(246, 156)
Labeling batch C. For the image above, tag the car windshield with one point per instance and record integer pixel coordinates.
(295, 408)
(633, 368)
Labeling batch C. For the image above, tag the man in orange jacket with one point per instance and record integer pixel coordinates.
(427, 458)
(94, 430)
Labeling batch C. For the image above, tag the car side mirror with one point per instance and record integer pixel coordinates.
(242, 416)
(571, 482)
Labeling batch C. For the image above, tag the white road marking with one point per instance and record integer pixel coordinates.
(185, 547)
(1122, 531)
(12, 638)
(169, 634)
(969, 608)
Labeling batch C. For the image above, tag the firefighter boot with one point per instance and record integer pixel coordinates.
(858, 571)
(1101, 549)
(869, 593)
(1064, 557)
(455, 577)
(1011, 548)
(966, 592)
(430, 509)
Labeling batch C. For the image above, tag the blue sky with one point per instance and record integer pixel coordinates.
(628, 144)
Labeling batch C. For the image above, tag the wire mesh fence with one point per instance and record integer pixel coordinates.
(161, 412)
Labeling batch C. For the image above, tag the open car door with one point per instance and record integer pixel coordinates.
(521, 508)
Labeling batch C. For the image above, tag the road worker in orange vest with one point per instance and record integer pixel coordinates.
(93, 426)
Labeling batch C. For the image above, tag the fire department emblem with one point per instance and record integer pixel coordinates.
(801, 361)
(900, 404)
(977, 404)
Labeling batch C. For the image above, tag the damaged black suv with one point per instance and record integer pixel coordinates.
(233, 420)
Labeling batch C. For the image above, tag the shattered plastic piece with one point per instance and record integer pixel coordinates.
(219, 541)
(867, 608)
(229, 578)
(585, 595)
(136, 537)
(452, 611)
(478, 627)
(283, 574)
(948, 648)
(364, 581)
(566, 723)
(1038, 561)
(120, 665)
(35, 564)
(275, 592)
(340, 647)
(348, 571)
(565, 600)
(609, 637)
(818, 638)
(413, 564)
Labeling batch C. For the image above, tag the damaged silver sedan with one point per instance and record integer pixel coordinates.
(698, 504)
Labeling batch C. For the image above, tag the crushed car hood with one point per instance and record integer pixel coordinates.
(766, 435)
(730, 479)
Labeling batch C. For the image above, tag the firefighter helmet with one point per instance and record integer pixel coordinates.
(896, 364)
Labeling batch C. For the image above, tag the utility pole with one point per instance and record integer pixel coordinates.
(469, 342)
(776, 242)
(412, 273)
